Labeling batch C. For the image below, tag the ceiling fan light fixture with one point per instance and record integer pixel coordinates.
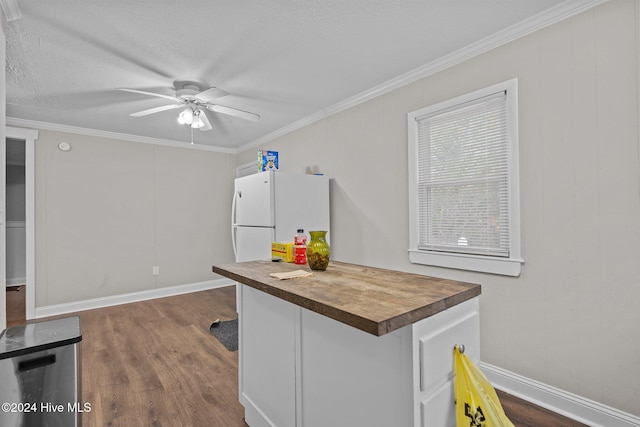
(197, 122)
(186, 116)
(194, 103)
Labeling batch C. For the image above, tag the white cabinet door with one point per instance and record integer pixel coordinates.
(267, 359)
(352, 378)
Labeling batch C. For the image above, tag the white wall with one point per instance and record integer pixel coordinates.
(571, 319)
(107, 211)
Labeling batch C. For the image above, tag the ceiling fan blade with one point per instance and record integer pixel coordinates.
(205, 120)
(155, 110)
(160, 95)
(233, 112)
(211, 94)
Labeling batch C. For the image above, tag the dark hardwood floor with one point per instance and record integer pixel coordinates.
(154, 363)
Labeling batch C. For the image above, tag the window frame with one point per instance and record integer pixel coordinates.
(509, 266)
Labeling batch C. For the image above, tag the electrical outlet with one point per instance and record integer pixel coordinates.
(156, 270)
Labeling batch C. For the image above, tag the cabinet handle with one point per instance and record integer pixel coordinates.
(38, 362)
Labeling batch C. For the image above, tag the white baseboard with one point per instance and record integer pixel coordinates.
(72, 307)
(559, 401)
(253, 416)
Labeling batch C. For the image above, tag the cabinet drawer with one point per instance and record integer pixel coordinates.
(459, 325)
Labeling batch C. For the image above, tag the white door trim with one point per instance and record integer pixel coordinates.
(29, 136)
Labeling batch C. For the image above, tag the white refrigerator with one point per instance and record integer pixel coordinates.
(271, 206)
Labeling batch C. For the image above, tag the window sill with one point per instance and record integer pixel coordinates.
(502, 266)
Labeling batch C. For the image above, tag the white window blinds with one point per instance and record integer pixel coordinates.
(463, 178)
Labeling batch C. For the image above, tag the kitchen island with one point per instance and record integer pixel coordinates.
(349, 346)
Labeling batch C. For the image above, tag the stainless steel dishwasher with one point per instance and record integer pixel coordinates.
(40, 374)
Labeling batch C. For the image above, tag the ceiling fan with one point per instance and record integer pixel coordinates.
(194, 102)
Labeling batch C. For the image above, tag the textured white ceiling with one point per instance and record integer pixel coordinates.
(282, 59)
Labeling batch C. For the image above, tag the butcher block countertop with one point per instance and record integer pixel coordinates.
(371, 299)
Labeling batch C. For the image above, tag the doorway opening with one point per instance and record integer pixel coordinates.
(16, 240)
(20, 222)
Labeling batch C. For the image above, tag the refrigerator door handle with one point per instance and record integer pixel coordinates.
(233, 207)
(233, 224)
(233, 242)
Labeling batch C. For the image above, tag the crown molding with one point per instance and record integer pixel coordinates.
(13, 121)
(544, 19)
(10, 10)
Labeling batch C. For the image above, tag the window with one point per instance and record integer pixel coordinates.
(463, 182)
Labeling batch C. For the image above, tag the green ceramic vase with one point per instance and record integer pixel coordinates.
(318, 251)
